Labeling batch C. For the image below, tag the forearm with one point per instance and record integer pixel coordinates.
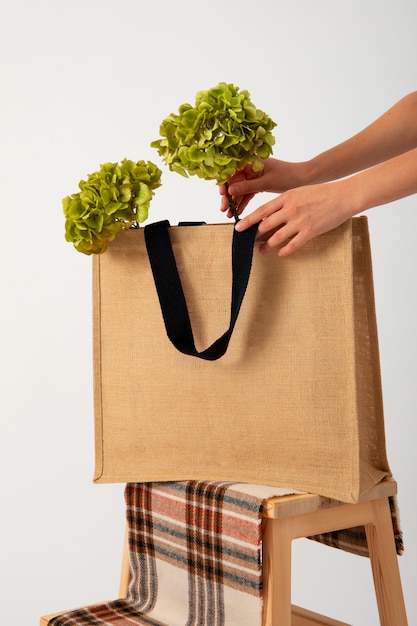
(386, 182)
(392, 134)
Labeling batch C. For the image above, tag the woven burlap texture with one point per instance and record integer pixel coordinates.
(295, 402)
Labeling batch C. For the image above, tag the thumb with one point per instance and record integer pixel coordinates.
(247, 186)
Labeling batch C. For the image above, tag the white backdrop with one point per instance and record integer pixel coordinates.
(88, 81)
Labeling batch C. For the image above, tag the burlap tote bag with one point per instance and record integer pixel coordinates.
(278, 383)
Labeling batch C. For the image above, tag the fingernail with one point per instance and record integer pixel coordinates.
(238, 226)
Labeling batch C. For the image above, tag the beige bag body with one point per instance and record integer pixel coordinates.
(296, 400)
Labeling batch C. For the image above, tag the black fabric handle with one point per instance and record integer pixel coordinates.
(171, 295)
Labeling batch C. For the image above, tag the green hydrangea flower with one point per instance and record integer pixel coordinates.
(116, 197)
(221, 134)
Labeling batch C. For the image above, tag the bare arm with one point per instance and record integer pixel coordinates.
(300, 214)
(376, 166)
(392, 134)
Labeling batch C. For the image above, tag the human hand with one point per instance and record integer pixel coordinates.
(239, 197)
(298, 215)
(277, 176)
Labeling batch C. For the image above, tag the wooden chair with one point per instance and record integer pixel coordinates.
(291, 517)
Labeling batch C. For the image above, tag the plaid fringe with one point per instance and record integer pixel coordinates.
(195, 550)
(354, 539)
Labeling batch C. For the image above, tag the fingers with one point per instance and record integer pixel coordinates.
(282, 241)
(295, 217)
(241, 203)
(246, 186)
(282, 237)
(269, 210)
(224, 203)
(291, 246)
(246, 173)
(237, 189)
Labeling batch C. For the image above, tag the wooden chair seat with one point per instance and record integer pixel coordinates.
(291, 517)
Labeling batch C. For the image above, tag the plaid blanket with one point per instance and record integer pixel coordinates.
(354, 539)
(195, 557)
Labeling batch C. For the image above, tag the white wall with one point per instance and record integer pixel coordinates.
(89, 81)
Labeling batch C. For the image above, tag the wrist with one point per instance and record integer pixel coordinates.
(354, 195)
(302, 174)
(314, 171)
(311, 172)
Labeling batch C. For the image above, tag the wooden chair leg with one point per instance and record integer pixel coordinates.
(125, 571)
(385, 569)
(277, 539)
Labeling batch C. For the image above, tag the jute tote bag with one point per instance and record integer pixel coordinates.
(198, 376)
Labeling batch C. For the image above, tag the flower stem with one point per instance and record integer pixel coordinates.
(232, 204)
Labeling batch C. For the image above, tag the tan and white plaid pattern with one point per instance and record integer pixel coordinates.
(195, 557)
(195, 551)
